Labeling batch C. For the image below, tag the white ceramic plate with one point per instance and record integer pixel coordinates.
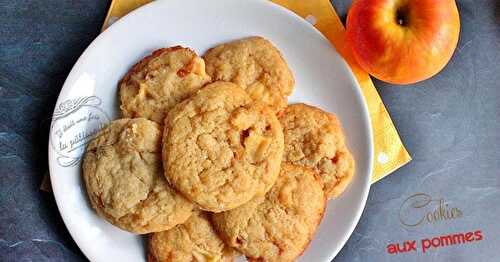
(88, 100)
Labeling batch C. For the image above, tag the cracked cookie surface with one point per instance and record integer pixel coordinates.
(279, 226)
(256, 65)
(220, 148)
(314, 138)
(159, 81)
(194, 240)
(123, 174)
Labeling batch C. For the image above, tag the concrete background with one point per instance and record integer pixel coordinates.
(450, 125)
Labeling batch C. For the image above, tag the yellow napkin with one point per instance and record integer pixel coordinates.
(390, 153)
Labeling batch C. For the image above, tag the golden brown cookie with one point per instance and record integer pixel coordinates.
(314, 138)
(279, 226)
(123, 174)
(160, 81)
(220, 148)
(256, 65)
(194, 240)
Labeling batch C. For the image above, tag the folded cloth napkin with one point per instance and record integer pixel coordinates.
(390, 153)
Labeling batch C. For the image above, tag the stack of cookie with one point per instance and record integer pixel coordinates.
(211, 162)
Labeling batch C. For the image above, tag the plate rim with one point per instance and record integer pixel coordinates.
(269, 4)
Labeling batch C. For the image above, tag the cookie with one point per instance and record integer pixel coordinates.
(256, 65)
(123, 174)
(220, 148)
(194, 240)
(279, 226)
(160, 81)
(314, 138)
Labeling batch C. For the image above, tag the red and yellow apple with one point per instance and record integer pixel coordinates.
(403, 41)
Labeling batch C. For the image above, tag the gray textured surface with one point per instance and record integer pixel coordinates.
(451, 127)
(450, 124)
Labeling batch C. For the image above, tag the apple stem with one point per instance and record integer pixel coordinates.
(401, 15)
